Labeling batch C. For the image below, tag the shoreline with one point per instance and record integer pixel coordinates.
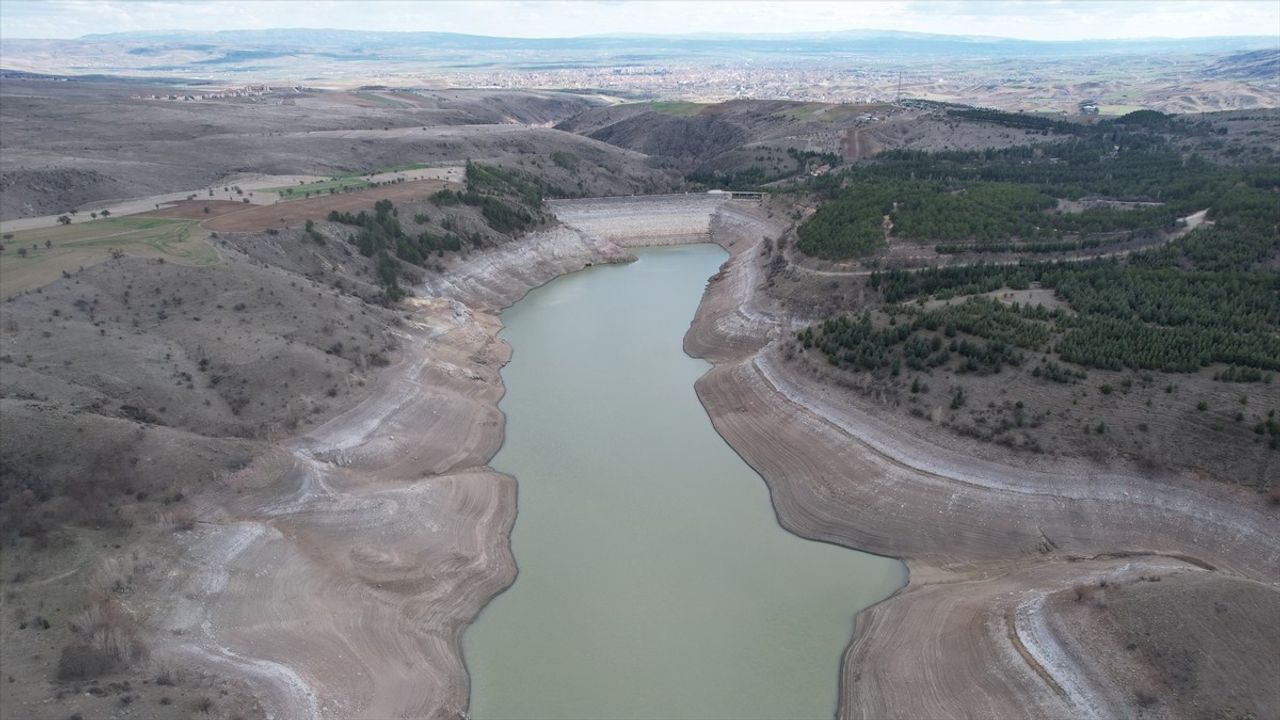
(382, 532)
(1098, 525)
(964, 545)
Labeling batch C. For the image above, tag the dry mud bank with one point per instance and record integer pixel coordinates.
(988, 542)
(339, 572)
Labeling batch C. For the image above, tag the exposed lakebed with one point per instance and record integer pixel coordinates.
(655, 581)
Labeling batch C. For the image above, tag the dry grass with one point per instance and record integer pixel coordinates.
(180, 520)
(104, 639)
(33, 258)
(256, 218)
(104, 635)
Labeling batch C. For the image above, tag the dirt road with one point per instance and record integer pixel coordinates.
(297, 212)
(253, 189)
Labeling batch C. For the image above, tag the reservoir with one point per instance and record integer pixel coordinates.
(655, 581)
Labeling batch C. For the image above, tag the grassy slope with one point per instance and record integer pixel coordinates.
(51, 251)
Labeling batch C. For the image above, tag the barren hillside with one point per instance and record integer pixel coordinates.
(71, 144)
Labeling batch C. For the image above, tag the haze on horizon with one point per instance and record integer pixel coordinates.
(1046, 21)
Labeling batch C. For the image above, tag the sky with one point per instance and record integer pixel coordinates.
(1026, 19)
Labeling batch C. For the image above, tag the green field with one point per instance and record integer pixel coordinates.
(827, 112)
(298, 192)
(405, 168)
(676, 108)
(33, 258)
(339, 183)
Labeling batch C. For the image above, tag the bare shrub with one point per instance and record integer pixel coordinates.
(1083, 592)
(82, 662)
(103, 639)
(113, 576)
(180, 520)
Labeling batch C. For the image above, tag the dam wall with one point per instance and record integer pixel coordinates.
(643, 221)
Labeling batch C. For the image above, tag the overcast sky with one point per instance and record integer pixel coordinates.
(1030, 19)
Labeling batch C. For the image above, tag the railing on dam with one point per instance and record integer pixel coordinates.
(711, 194)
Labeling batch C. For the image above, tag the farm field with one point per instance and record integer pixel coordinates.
(360, 181)
(281, 215)
(303, 190)
(675, 108)
(33, 258)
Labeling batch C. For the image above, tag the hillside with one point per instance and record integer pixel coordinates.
(1104, 297)
(746, 143)
(53, 162)
(198, 372)
(1260, 65)
(1033, 354)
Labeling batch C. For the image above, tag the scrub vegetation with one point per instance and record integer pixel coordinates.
(999, 200)
(1207, 297)
(508, 202)
(1174, 316)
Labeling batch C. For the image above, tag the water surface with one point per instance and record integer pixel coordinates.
(655, 581)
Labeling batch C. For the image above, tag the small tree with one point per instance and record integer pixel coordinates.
(64, 219)
(106, 213)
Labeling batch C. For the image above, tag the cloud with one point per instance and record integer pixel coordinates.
(1029, 19)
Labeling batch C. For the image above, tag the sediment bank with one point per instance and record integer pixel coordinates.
(987, 542)
(344, 567)
(338, 572)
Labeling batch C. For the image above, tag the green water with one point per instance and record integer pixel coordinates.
(655, 581)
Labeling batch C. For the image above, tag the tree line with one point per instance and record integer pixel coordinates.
(1210, 296)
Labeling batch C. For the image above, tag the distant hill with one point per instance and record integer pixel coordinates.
(844, 67)
(359, 42)
(1261, 65)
